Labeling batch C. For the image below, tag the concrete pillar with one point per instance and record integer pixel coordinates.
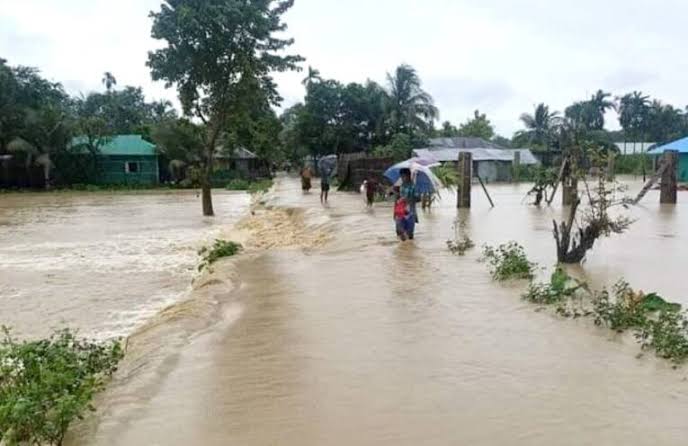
(517, 166)
(465, 179)
(669, 184)
(611, 158)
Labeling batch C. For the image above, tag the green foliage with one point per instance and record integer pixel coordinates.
(219, 250)
(479, 127)
(508, 261)
(560, 287)
(634, 164)
(260, 186)
(47, 384)
(220, 55)
(541, 127)
(447, 175)
(399, 148)
(238, 184)
(667, 336)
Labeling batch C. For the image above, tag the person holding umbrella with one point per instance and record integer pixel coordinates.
(407, 191)
(327, 165)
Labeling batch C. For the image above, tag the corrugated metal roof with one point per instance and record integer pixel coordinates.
(680, 145)
(463, 142)
(479, 154)
(122, 145)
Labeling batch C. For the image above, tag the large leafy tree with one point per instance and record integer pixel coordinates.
(411, 110)
(218, 53)
(479, 127)
(540, 127)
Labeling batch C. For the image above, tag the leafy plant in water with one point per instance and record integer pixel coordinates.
(47, 384)
(220, 249)
(667, 335)
(561, 286)
(508, 261)
(624, 311)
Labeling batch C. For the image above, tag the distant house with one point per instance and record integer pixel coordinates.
(630, 147)
(681, 146)
(126, 159)
(490, 161)
(242, 163)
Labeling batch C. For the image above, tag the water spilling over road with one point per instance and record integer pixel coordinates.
(102, 263)
(357, 339)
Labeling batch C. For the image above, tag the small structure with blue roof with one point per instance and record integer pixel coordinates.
(681, 146)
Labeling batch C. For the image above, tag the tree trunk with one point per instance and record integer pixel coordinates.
(207, 198)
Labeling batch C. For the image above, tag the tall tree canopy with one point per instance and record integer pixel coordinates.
(411, 110)
(540, 126)
(219, 54)
(479, 127)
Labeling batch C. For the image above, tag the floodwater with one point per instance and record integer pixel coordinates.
(356, 339)
(102, 263)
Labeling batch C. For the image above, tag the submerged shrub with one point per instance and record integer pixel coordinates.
(667, 335)
(560, 287)
(260, 186)
(460, 246)
(220, 249)
(47, 384)
(508, 261)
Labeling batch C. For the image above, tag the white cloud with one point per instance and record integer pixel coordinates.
(499, 56)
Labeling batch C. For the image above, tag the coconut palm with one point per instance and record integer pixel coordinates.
(633, 112)
(600, 103)
(540, 126)
(109, 80)
(411, 109)
(312, 77)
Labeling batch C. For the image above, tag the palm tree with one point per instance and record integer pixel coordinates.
(633, 112)
(109, 81)
(540, 126)
(411, 109)
(312, 77)
(600, 103)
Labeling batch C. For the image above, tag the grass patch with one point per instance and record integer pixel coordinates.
(252, 187)
(508, 261)
(219, 250)
(47, 384)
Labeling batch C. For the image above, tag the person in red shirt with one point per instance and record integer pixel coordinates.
(401, 216)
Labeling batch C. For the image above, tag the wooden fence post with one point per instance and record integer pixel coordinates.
(465, 179)
(668, 185)
(517, 166)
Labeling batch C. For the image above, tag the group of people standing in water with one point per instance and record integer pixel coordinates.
(405, 199)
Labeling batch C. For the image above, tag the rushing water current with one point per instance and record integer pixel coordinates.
(358, 341)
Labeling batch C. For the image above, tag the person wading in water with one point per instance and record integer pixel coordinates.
(408, 193)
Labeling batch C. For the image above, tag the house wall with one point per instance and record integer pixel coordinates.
(683, 167)
(114, 172)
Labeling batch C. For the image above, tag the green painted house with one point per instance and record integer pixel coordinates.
(126, 159)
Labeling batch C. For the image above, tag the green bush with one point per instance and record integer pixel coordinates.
(667, 336)
(508, 261)
(47, 384)
(633, 164)
(260, 186)
(560, 287)
(237, 184)
(220, 249)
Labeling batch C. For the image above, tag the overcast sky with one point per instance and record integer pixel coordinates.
(500, 56)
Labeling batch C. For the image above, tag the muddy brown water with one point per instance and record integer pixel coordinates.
(367, 341)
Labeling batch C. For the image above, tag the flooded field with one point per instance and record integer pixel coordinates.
(355, 338)
(102, 263)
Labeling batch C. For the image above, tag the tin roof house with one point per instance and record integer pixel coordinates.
(490, 161)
